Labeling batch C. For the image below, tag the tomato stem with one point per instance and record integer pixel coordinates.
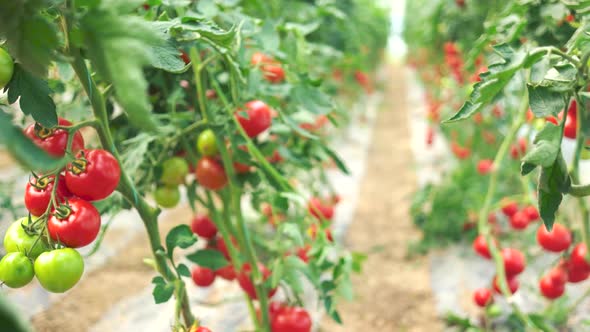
(483, 225)
(148, 214)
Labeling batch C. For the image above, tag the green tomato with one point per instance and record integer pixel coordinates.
(16, 270)
(59, 270)
(493, 311)
(6, 68)
(206, 143)
(174, 170)
(167, 197)
(17, 239)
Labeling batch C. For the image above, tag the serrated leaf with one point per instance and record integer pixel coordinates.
(554, 181)
(545, 102)
(162, 293)
(492, 82)
(30, 37)
(165, 55)
(119, 46)
(546, 148)
(183, 270)
(526, 168)
(24, 150)
(209, 258)
(180, 236)
(34, 97)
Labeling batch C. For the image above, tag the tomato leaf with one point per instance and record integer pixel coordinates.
(10, 319)
(336, 159)
(493, 81)
(23, 150)
(546, 148)
(180, 236)
(30, 37)
(119, 46)
(544, 101)
(162, 291)
(553, 183)
(584, 117)
(34, 97)
(209, 258)
(183, 270)
(166, 56)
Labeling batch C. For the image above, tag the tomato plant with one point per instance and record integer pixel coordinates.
(16, 270)
(490, 94)
(213, 109)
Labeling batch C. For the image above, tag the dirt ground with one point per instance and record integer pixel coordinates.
(393, 293)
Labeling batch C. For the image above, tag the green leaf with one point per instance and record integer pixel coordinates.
(544, 101)
(30, 37)
(165, 55)
(180, 236)
(546, 148)
(119, 46)
(336, 159)
(209, 258)
(553, 183)
(162, 291)
(492, 82)
(24, 150)
(183, 270)
(34, 97)
(10, 318)
(584, 117)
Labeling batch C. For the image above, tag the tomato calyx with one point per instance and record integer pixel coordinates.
(63, 211)
(41, 182)
(43, 132)
(79, 165)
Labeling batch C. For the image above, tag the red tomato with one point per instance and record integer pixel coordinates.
(259, 58)
(569, 129)
(570, 18)
(203, 329)
(302, 253)
(519, 221)
(482, 297)
(202, 276)
(429, 136)
(575, 273)
(227, 273)
(38, 193)
(259, 118)
(320, 210)
(75, 224)
(558, 240)
(509, 208)
(221, 246)
(558, 275)
(313, 230)
(485, 166)
(514, 261)
(54, 141)
(291, 320)
(211, 94)
(273, 73)
(512, 284)
(531, 212)
(578, 258)
(211, 174)
(94, 175)
(550, 289)
(552, 119)
(480, 247)
(245, 280)
(204, 227)
(522, 145)
(459, 151)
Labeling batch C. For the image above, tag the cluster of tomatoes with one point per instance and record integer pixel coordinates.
(572, 268)
(283, 318)
(62, 216)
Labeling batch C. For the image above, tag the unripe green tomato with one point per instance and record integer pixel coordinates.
(167, 197)
(174, 170)
(538, 124)
(59, 270)
(206, 143)
(493, 311)
(17, 240)
(6, 68)
(585, 154)
(16, 270)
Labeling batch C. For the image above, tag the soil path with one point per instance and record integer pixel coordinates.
(393, 293)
